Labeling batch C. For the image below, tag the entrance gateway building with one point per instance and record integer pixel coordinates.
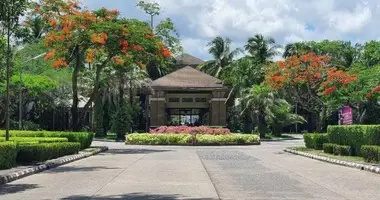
(188, 97)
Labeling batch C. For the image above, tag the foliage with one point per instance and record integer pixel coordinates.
(315, 140)
(122, 121)
(342, 150)
(328, 148)
(354, 136)
(36, 139)
(45, 151)
(261, 48)
(85, 139)
(220, 49)
(190, 130)
(370, 153)
(159, 139)
(8, 154)
(187, 139)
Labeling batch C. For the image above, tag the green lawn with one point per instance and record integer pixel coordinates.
(271, 137)
(355, 159)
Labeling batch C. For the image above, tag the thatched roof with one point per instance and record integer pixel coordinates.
(188, 60)
(188, 77)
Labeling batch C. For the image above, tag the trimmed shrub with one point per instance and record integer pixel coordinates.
(35, 140)
(315, 140)
(191, 130)
(232, 139)
(328, 148)
(187, 139)
(45, 151)
(370, 153)
(8, 154)
(354, 136)
(85, 139)
(342, 150)
(158, 139)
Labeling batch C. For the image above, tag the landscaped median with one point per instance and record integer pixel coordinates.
(355, 146)
(202, 136)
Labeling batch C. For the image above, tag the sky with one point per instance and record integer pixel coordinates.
(287, 21)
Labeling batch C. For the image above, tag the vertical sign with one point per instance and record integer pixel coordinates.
(346, 115)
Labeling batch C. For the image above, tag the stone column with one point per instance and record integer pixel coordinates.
(218, 109)
(157, 109)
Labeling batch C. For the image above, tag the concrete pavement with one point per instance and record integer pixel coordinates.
(162, 172)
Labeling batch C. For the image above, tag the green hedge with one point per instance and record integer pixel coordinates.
(35, 139)
(315, 140)
(45, 151)
(231, 139)
(84, 138)
(187, 139)
(370, 153)
(354, 136)
(158, 139)
(8, 153)
(328, 148)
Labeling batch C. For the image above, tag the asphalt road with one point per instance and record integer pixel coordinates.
(160, 172)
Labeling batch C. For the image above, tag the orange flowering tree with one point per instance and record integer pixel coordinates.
(78, 36)
(308, 81)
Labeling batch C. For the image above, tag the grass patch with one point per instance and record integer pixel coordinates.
(355, 159)
(272, 137)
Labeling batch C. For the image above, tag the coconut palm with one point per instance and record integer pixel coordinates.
(220, 49)
(262, 48)
(296, 49)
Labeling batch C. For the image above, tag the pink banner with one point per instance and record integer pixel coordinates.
(346, 115)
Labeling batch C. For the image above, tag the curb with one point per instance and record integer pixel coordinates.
(359, 166)
(48, 165)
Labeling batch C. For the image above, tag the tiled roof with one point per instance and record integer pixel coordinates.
(187, 77)
(188, 60)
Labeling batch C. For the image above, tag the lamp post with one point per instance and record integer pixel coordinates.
(21, 88)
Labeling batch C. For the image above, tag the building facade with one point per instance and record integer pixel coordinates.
(188, 97)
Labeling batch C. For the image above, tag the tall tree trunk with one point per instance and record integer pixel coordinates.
(7, 111)
(321, 120)
(99, 112)
(74, 106)
(121, 92)
(262, 125)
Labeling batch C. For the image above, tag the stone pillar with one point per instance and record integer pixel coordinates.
(157, 109)
(218, 109)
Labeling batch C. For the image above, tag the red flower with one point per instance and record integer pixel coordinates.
(50, 55)
(329, 90)
(60, 62)
(369, 96)
(166, 53)
(137, 47)
(376, 89)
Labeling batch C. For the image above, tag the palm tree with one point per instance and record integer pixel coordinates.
(262, 48)
(295, 49)
(220, 49)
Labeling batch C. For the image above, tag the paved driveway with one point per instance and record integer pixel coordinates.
(247, 172)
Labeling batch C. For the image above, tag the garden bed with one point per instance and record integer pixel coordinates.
(191, 139)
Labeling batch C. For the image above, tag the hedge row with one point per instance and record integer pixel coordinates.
(45, 151)
(315, 140)
(84, 138)
(8, 154)
(35, 139)
(186, 139)
(205, 130)
(337, 149)
(370, 153)
(354, 136)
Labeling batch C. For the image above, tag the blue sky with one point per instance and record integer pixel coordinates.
(198, 21)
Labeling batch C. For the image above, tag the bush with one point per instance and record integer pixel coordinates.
(8, 153)
(328, 148)
(354, 136)
(35, 140)
(370, 153)
(232, 139)
(158, 139)
(191, 130)
(342, 150)
(187, 139)
(45, 151)
(315, 140)
(85, 139)
(122, 122)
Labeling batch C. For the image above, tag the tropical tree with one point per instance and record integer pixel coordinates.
(261, 48)
(220, 49)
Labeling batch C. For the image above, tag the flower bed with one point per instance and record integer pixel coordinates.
(190, 130)
(187, 139)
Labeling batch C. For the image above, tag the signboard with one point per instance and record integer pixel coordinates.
(345, 115)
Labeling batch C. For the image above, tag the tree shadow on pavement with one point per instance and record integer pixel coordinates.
(66, 169)
(134, 196)
(15, 188)
(134, 151)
